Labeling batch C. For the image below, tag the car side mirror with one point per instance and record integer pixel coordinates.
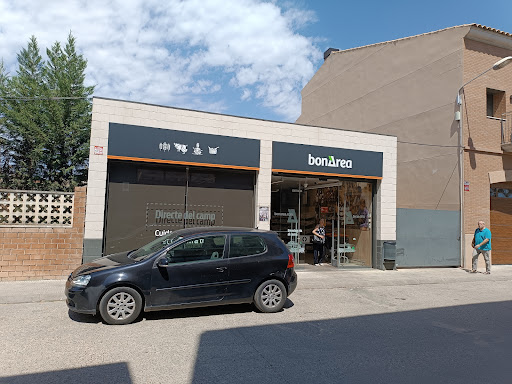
(163, 262)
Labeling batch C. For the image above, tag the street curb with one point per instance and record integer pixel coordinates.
(309, 277)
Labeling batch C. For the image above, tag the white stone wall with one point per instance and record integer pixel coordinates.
(107, 111)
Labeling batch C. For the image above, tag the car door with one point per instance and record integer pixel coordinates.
(249, 263)
(197, 271)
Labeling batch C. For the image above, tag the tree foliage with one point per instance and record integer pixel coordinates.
(45, 119)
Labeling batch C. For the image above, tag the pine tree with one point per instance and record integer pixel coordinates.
(67, 152)
(45, 117)
(23, 123)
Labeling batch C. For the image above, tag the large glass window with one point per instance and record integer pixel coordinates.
(298, 205)
(147, 201)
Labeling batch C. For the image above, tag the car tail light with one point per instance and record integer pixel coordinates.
(291, 263)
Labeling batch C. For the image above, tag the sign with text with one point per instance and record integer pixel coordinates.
(163, 218)
(309, 159)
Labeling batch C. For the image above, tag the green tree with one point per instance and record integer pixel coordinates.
(45, 113)
(67, 152)
(23, 122)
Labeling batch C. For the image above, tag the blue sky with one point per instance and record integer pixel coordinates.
(239, 57)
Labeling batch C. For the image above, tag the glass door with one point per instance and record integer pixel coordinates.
(354, 226)
(298, 205)
(286, 212)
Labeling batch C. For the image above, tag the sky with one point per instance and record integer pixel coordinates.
(247, 58)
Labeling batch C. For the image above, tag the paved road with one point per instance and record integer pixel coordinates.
(421, 326)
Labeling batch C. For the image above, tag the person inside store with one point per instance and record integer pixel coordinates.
(318, 242)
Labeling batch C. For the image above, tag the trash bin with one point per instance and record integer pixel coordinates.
(389, 255)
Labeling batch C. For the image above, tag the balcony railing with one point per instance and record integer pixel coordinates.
(506, 132)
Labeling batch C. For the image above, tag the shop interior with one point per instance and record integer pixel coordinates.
(297, 205)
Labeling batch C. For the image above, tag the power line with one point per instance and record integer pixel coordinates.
(428, 145)
(44, 98)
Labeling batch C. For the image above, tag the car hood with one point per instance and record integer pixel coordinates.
(103, 263)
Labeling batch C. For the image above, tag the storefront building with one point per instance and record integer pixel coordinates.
(156, 169)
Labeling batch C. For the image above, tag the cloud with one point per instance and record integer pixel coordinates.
(176, 52)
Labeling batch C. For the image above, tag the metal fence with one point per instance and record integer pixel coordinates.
(36, 208)
(506, 128)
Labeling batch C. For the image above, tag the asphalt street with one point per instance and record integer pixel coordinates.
(421, 325)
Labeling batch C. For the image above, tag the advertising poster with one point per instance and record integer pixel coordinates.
(264, 213)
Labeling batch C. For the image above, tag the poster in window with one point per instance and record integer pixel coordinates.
(264, 214)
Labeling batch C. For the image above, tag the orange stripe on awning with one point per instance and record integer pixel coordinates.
(181, 162)
(328, 174)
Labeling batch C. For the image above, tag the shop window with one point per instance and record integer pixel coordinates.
(495, 103)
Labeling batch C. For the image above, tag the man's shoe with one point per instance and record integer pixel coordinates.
(487, 273)
(473, 271)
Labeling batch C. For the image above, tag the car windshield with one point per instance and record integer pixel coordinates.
(155, 246)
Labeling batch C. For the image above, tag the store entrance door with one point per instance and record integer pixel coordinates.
(298, 204)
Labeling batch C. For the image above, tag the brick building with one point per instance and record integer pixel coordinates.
(425, 90)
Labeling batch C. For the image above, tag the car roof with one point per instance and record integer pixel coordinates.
(201, 230)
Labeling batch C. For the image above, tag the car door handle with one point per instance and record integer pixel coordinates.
(221, 269)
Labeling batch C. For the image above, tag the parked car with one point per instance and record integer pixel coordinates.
(187, 268)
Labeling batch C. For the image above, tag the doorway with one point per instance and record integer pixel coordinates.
(298, 204)
(501, 223)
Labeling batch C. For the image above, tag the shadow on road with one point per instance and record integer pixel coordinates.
(459, 344)
(178, 313)
(107, 373)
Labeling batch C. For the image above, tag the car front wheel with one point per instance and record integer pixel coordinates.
(121, 305)
(270, 296)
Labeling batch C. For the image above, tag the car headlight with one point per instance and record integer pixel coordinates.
(81, 281)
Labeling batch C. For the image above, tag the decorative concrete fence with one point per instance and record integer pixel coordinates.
(41, 233)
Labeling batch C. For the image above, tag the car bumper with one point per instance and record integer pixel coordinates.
(78, 299)
(292, 281)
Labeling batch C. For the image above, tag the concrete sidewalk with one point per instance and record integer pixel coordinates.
(309, 277)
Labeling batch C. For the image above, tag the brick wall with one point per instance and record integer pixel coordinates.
(37, 253)
(482, 134)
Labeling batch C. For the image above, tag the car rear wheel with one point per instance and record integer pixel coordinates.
(121, 305)
(270, 296)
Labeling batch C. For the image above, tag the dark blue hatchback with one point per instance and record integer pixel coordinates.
(187, 268)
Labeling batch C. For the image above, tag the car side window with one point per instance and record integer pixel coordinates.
(197, 249)
(245, 245)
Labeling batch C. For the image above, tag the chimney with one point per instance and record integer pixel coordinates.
(329, 51)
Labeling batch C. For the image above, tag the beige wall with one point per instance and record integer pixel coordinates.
(483, 155)
(406, 88)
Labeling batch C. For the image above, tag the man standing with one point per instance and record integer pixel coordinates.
(482, 245)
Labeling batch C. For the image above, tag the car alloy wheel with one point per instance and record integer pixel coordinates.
(270, 296)
(120, 305)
